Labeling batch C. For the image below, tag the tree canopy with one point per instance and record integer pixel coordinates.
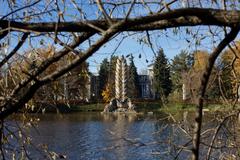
(180, 65)
(132, 83)
(162, 80)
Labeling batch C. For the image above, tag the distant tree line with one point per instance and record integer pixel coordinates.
(73, 86)
(168, 77)
(183, 72)
(186, 69)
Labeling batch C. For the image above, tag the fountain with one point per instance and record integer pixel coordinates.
(121, 103)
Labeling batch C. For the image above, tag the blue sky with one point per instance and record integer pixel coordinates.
(170, 41)
(130, 45)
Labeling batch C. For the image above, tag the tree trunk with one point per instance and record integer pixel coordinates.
(184, 92)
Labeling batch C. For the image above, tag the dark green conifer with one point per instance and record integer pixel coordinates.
(162, 81)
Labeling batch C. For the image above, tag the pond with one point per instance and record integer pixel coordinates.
(99, 136)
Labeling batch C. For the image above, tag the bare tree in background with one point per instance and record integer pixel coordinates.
(83, 27)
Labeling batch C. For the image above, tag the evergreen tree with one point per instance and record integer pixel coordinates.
(133, 89)
(103, 75)
(162, 82)
(181, 64)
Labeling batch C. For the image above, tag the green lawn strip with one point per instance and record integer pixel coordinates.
(176, 107)
(154, 106)
(96, 107)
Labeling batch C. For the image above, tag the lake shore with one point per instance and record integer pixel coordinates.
(141, 107)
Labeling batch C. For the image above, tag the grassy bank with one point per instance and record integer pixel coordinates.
(148, 106)
(176, 107)
(153, 106)
(96, 107)
(64, 108)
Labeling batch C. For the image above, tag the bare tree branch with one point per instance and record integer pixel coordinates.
(20, 43)
(130, 9)
(101, 8)
(174, 18)
(51, 60)
(19, 9)
(91, 50)
(11, 107)
(217, 129)
(204, 80)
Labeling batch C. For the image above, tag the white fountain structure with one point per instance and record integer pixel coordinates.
(121, 103)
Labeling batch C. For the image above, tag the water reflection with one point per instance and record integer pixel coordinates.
(109, 136)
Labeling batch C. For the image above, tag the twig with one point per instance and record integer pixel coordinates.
(20, 43)
(101, 8)
(216, 132)
(130, 9)
(19, 9)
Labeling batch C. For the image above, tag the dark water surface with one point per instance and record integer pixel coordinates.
(96, 136)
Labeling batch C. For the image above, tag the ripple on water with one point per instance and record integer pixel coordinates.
(96, 136)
